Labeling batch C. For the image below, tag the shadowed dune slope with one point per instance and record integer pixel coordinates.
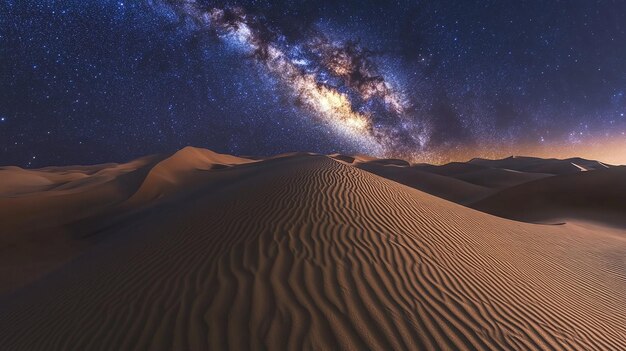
(463, 183)
(598, 196)
(540, 165)
(50, 215)
(44, 213)
(451, 169)
(469, 182)
(446, 187)
(305, 252)
(499, 178)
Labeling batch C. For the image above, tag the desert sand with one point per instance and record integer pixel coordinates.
(598, 196)
(198, 250)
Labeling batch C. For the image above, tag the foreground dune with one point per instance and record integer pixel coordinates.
(306, 252)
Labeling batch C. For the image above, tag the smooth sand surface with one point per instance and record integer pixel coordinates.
(307, 252)
(53, 214)
(597, 196)
(443, 186)
(540, 165)
(467, 183)
(46, 214)
(498, 178)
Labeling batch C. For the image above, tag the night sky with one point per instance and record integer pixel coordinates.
(85, 82)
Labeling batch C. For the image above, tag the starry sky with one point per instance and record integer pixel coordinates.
(88, 81)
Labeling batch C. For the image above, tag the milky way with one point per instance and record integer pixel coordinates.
(334, 80)
(429, 81)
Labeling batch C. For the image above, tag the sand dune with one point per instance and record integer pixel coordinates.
(18, 181)
(181, 172)
(540, 165)
(498, 178)
(47, 212)
(453, 168)
(42, 222)
(463, 183)
(468, 182)
(598, 196)
(446, 187)
(306, 252)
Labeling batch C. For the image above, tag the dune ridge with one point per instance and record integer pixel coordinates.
(304, 252)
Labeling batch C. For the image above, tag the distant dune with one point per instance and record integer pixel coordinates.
(539, 165)
(440, 185)
(598, 196)
(198, 250)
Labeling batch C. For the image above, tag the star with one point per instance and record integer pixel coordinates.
(410, 81)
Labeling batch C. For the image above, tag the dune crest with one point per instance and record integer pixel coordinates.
(183, 169)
